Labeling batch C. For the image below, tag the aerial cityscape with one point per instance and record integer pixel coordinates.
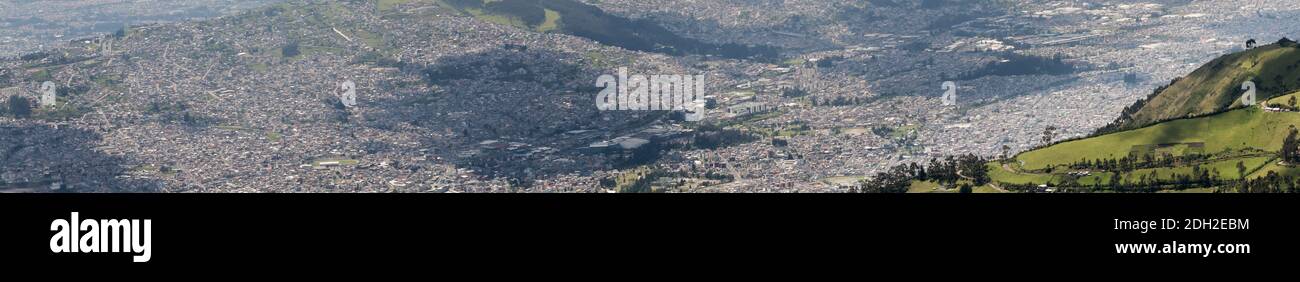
(759, 96)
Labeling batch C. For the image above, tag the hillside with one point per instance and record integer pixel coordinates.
(1154, 146)
(251, 102)
(587, 21)
(1216, 86)
(1205, 152)
(1250, 128)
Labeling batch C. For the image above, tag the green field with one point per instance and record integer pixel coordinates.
(923, 187)
(1227, 169)
(552, 21)
(1158, 147)
(1011, 175)
(1248, 136)
(932, 187)
(1250, 128)
(1275, 167)
(1284, 99)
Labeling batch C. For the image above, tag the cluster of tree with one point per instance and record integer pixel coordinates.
(121, 32)
(174, 112)
(6, 78)
(1270, 183)
(720, 138)
(290, 50)
(1290, 152)
(646, 154)
(1049, 134)
(1287, 42)
(829, 62)
(882, 131)
(794, 92)
(948, 171)
(1131, 78)
(1018, 64)
(18, 107)
(780, 142)
(897, 180)
(1151, 182)
(1129, 163)
(641, 181)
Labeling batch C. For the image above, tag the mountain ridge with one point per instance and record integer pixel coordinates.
(1217, 86)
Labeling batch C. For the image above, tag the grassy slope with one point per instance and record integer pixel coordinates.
(1217, 85)
(1282, 100)
(1251, 132)
(1275, 167)
(1252, 129)
(1235, 130)
(932, 187)
(1000, 174)
(1227, 168)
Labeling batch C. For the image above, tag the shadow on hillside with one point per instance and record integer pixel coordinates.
(32, 157)
(512, 94)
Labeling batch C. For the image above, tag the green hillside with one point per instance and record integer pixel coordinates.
(1204, 152)
(1250, 129)
(1216, 86)
(1193, 135)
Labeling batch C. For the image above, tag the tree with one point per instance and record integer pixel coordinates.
(1115, 180)
(895, 180)
(290, 50)
(1290, 147)
(20, 107)
(1291, 102)
(965, 188)
(1048, 134)
(1241, 170)
(1131, 78)
(794, 92)
(1006, 152)
(121, 32)
(1285, 42)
